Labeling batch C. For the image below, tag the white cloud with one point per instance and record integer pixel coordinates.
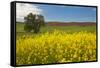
(23, 9)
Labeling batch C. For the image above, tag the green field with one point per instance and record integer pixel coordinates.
(69, 29)
(20, 28)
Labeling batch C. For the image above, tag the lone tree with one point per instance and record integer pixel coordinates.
(33, 22)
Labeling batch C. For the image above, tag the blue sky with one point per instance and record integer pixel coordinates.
(64, 13)
(69, 13)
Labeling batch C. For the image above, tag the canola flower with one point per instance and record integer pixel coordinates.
(56, 47)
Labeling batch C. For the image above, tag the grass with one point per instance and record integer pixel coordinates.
(70, 29)
(20, 28)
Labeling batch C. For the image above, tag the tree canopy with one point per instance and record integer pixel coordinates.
(33, 22)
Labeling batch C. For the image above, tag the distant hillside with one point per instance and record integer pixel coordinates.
(70, 23)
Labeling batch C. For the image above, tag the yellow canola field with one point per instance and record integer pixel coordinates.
(56, 47)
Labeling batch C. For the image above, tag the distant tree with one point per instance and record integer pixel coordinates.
(33, 22)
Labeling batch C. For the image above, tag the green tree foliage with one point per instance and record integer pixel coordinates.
(33, 22)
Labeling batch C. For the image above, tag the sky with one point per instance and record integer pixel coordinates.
(58, 13)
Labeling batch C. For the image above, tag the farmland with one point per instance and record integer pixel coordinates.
(56, 44)
(69, 27)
